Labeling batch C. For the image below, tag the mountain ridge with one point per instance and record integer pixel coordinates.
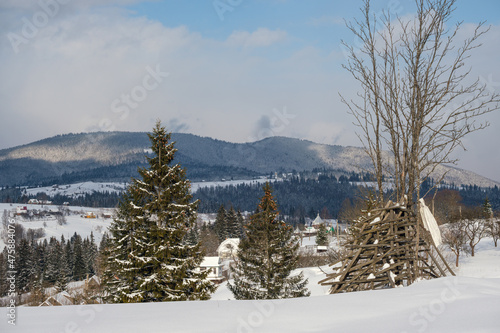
(115, 156)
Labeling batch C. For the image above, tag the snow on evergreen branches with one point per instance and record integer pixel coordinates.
(149, 258)
(267, 255)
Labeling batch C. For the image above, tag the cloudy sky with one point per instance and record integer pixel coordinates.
(235, 70)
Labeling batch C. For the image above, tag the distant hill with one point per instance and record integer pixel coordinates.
(115, 156)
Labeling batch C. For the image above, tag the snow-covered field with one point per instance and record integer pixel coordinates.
(469, 302)
(75, 222)
(79, 189)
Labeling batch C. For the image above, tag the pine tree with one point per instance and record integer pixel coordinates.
(4, 284)
(149, 258)
(52, 260)
(220, 225)
(241, 224)
(266, 257)
(193, 236)
(24, 266)
(79, 266)
(233, 227)
(90, 254)
(69, 259)
(322, 236)
(487, 209)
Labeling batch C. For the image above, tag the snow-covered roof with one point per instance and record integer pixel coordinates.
(210, 262)
(318, 220)
(229, 244)
(62, 298)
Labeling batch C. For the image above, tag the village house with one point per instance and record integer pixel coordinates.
(228, 249)
(214, 266)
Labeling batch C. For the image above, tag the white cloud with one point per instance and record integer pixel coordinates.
(66, 78)
(259, 38)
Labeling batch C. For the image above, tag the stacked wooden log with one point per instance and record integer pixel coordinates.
(387, 247)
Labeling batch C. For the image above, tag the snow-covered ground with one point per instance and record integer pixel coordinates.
(197, 185)
(75, 222)
(469, 302)
(79, 189)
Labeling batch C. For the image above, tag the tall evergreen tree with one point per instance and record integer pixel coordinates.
(233, 227)
(79, 266)
(24, 266)
(150, 259)
(220, 224)
(69, 259)
(4, 284)
(322, 236)
(90, 254)
(241, 224)
(487, 209)
(266, 257)
(53, 257)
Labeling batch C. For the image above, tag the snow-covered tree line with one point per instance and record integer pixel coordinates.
(49, 263)
(228, 223)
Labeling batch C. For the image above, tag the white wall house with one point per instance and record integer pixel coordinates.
(228, 249)
(214, 266)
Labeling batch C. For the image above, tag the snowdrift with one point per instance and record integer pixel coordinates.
(452, 304)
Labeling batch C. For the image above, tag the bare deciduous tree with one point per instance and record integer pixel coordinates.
(455, 239)
(417, 99)
(493, 230)
(475, 227)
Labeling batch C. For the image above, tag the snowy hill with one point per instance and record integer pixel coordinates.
(467, 303)
(115, 156)
(75, 222)
(78, 189)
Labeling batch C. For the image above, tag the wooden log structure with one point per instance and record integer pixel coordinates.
(387, 247)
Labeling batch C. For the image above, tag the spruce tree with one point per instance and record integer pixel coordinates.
(24, 266)
(487, 209)
(241, 224)
(79, 265)
(267, 256)
(90, 254)
(322, 236)
(232, 226)
(52, 260)
(4, 284)
(149, 258)
(220, 224)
